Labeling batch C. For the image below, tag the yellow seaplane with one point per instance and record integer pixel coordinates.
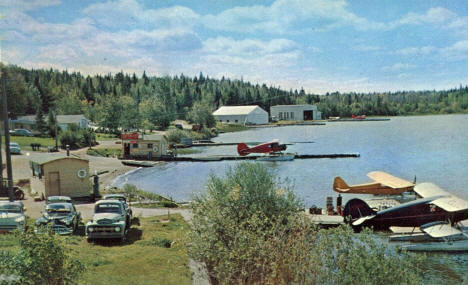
(384, 184)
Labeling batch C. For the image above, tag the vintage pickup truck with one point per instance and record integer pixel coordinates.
(109, 221)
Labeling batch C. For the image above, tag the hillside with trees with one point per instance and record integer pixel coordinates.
(129, 101)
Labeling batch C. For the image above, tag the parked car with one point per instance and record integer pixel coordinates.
(58, 199)
(15, 148)
(62, 217)
(109, 221)
(21, 132)
(123, 199)
(12, 216)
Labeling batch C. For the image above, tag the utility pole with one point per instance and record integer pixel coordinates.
(56, 123)
(7, 140)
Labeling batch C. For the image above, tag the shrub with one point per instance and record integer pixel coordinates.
(77, 137)
(41, 259)
(247, 229)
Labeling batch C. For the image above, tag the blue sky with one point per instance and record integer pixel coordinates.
(320, 45)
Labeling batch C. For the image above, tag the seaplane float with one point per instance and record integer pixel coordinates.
(434, 215)
(273, 151)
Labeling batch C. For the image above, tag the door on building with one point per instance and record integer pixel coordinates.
(308, 115)
(54, 184)
(126, 149)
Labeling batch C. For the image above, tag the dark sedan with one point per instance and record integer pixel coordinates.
(63, 218)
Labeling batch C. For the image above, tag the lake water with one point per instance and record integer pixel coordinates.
(432, 148)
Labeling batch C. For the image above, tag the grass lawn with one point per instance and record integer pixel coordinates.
(25, 142)
(229, 128)
(142, 259)
(105, 152)
(106, 137)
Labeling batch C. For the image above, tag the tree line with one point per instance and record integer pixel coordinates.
(129, 101)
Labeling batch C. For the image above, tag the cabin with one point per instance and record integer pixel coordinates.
(295, 112)
(141, 146)
(244, 115)
(29, 122)
(60, 175)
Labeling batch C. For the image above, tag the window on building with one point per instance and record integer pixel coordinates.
(236, 121)
(135, 145)
(286, 115)
(227, 121)
(150, 145)
(280, 115)
(292, 115)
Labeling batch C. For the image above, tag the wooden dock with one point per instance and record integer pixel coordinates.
(148, 163)
(360, 120)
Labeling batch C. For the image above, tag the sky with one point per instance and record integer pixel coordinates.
(319, 45)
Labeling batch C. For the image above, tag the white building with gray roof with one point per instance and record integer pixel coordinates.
(244, 115)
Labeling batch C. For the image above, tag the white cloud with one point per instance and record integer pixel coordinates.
(436, 15)
(457, 51)
(130, 15)
(398, 67)
(426, 50)
(283, 15)
(27, 5)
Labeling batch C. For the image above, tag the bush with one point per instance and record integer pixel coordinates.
(77, 137)
(247, 229)
(41, 259)
(175, 135)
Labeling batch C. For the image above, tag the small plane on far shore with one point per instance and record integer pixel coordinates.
(436, 205)
(267, 148)
(385, 184)
(360, 117)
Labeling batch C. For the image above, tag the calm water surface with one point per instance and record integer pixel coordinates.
(432, 148)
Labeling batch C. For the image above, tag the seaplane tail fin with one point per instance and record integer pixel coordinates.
(356, 209)
(242, 149)
(339, 185)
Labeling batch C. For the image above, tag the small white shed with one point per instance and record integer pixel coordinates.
(241, 115)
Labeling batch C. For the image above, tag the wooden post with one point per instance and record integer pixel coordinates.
(7, 141)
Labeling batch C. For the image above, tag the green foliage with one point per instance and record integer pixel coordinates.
(348, 258)
(76, 137)
(104, 152)
(202, 114)
(247, 229)
(41, 259)
(122, 101)
(175, 135)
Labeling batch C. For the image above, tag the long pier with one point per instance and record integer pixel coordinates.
(360, 120)
(148, 163)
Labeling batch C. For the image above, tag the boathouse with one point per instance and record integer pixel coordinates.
(60, 175)
(244, 115)
(140, 146)
(295, 112)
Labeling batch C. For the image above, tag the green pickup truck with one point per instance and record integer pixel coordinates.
(109, 221)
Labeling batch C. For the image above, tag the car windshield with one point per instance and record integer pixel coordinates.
(14, 144)
(107, 208)
(53, 209)
(10, 208)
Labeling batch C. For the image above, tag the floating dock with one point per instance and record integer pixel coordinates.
(326, 221)
(360, 120)
(148, 163)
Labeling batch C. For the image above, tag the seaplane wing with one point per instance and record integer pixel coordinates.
(448, 202)
(389, 180)
(384, 184)
(440, 229)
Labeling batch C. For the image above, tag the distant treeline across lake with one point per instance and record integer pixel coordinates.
(136, 101)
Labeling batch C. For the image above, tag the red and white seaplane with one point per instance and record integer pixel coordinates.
(272, 150)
